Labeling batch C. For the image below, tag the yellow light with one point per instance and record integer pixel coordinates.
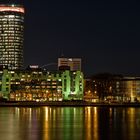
(89, 91)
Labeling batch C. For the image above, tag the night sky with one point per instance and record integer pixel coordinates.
(105, 34)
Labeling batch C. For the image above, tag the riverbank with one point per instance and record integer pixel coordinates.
(66, 103)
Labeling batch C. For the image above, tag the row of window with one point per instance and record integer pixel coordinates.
(10, 25)
(13, 63)
(8, 31)
(17, 34)
(10, 22)
(10, 44)
(10, 40)
(8, 56)
(6, 59)
(11, 48)
(11, 16)
(15, 40)
(11, 51)
(10, 62)
(12, 28)
(12, 19)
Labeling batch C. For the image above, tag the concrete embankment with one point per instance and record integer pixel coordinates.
(66, 103)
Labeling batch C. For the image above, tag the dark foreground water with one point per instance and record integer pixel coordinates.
(69, 123)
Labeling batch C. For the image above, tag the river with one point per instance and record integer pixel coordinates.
(69, 123)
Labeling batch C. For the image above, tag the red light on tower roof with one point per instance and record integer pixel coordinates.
(12, 9)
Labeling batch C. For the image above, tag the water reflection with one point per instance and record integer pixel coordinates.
(69, 123)
(63, 123)
(91, 123)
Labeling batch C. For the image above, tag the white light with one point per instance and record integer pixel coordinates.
(72, 92)
(34, 66)
(11, 16)
(70, 59)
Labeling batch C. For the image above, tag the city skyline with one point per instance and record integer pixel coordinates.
(104, 34)
(93, 93)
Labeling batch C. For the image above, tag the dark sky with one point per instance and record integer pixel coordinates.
(105, 34)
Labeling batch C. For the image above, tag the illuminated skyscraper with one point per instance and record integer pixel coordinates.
(11, 36)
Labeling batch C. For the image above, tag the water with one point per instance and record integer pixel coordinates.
(69, 123)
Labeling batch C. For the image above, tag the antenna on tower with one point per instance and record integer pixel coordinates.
(62, 54)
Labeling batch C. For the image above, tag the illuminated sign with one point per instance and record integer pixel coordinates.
(34, 66)
(12, 9)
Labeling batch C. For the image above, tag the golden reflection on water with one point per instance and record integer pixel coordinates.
(69, 123)
(91, 123)
(133, 121)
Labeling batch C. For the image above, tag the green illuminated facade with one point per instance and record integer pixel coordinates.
(34, 84)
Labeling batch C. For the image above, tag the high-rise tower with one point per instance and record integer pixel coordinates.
(11, 36)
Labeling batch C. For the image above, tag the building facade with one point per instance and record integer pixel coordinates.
(35, 84)
(11, 36)
(74, 64)
(131, 89)
(113, 88)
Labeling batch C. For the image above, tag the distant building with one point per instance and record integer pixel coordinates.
(110, 87)
(11, 36)
(131, 88)
(35, 84)
(73, 64)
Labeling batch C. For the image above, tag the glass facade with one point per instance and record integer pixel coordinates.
(11, 36)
